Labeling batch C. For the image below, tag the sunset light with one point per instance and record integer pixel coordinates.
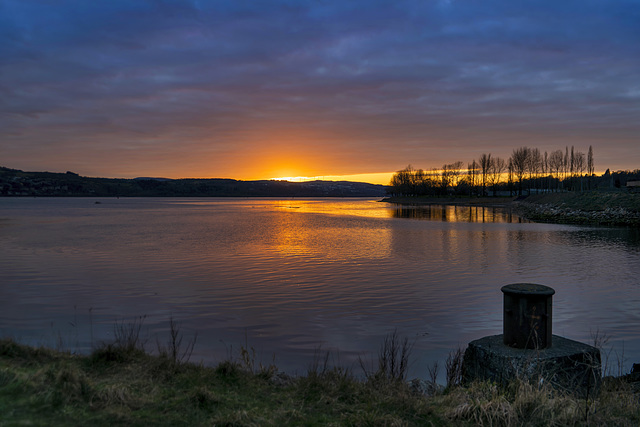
(313, 187)
(372, 178)
(337, 101)
(294, 178)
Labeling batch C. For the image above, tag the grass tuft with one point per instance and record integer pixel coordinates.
(228, 370)
(113, 395)
(174, 350)
(393, 360)
(127, 335)
(453, 367)
(112, 353)
(62, 384)
(203, 398)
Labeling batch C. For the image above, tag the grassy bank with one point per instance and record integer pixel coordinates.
(122, 385)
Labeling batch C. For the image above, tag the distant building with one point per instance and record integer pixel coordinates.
(633, 186)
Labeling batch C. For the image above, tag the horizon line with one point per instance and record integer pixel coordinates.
(376, 178)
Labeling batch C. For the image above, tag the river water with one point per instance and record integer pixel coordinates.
(296, 278)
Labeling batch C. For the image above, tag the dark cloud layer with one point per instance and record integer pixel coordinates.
(217, 88)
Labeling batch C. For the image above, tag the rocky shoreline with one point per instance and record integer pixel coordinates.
(589, 208)
(617, 209)
(551, 213)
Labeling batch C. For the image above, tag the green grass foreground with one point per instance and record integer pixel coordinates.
(118, 385)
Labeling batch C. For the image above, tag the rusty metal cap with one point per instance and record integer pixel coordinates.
(528, 289)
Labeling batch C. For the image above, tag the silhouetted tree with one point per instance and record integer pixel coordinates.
(472, 172)
(456, 173)
(534, 164)
(566, 162)
(496, 170)
(545, 170)
(401, 181)
(485, 165)
(556, 164)
(450, 175)
(519, 159)
(579, 166)
(510, 176)
(572, 163)
(590, 166)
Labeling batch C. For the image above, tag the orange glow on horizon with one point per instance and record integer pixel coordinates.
(382, 178)
(300, 164)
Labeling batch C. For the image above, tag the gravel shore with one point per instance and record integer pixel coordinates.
(598, 208)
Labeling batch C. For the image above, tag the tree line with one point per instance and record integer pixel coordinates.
(526, 169)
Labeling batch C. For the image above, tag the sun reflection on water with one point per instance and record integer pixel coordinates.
(303, 229)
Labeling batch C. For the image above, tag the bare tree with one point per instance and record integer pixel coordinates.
(572, 163)
(457, 172)
(545, 170)
(401, 181)
(519, 160)
(556, 164)
(580, 165)
(510, 176)
(417, 181)
(590, 166)
(566, 162)
(451, 175)
(485, 165)
(497, 168)
(436, 177)
(472, 172)
(534, 164)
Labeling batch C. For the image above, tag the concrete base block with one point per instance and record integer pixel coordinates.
(567, 365)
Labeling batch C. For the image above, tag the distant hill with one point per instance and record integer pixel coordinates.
(15, 182)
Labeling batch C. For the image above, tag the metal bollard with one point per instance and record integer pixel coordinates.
(527, 315)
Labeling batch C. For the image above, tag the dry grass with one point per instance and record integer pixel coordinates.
(453, 367)
(525, 404)
(45, 387)
(174, 350)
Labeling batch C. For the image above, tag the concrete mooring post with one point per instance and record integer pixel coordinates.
(528, 351)
(527, 321)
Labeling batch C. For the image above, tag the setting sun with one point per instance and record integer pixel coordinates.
(372, 178)
(294, 178)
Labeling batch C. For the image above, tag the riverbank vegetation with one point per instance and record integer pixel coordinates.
(121, 384)
(527, 171)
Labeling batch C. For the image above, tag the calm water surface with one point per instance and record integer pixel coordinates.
(289, 277)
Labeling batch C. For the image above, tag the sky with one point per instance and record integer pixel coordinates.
(358, 89)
